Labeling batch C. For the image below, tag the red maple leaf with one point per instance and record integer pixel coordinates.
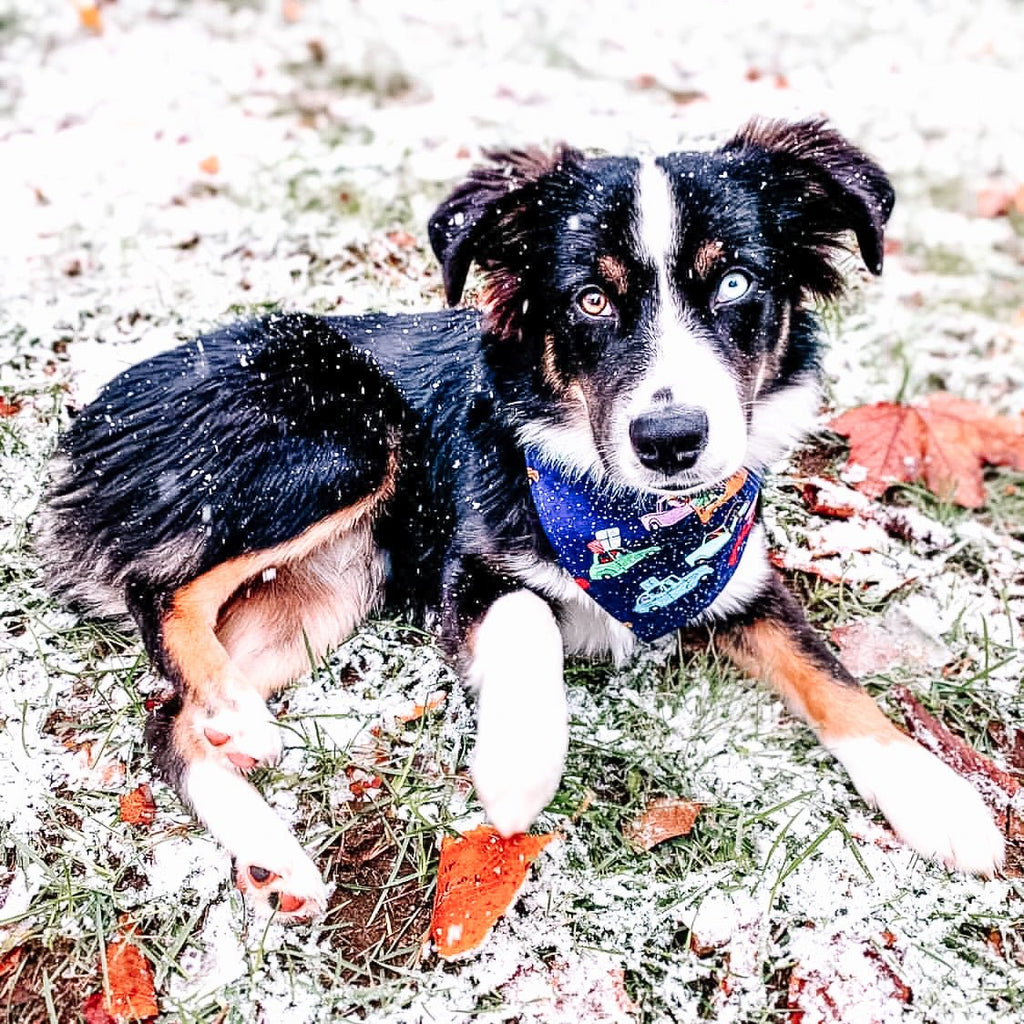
(942, 441)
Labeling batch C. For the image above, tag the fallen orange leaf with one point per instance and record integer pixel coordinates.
(138, 807)
(209, 165)
(998, 200)
(480, 874)
(89, 16)
(943, 441)
(662, 819)
(10, 960)
(130, 995)
(402, 239)
(434, 701)
(9, 406)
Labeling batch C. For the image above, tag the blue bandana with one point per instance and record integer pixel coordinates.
(654, 562)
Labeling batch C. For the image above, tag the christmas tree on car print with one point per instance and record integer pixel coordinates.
(610, 559)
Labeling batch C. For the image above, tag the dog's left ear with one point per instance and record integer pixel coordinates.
(462, 227)
(824, 186)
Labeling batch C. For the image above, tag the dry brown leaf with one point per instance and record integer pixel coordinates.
(138, 806)
(479, 876)
(824, 501)
(874, 645)
(943, 441)
(822, 995)
(795, 560)
(1011, 744)
(93, 1011)
(662, 819)
(996, 786)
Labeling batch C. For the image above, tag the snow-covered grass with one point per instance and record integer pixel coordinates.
(335, 130)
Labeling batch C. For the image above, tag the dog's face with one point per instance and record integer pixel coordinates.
(646, 319)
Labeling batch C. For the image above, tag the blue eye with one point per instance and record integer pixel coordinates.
(733, 286)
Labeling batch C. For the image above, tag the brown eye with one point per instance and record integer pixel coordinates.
(594, 303)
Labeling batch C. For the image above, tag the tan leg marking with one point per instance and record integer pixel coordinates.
(271, 628)
(834, 709)
(189, 627)
(928, 805)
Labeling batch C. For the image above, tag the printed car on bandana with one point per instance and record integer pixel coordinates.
(654, 562)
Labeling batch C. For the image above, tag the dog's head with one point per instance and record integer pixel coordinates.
(647, 320)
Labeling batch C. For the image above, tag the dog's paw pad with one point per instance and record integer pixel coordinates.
(296, 893)
(246, 735)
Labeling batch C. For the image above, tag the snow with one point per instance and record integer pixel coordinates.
(116, 244)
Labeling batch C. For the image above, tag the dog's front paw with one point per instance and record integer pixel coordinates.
(517, 774)
(244, 733)
(288, 886)
(930, 807)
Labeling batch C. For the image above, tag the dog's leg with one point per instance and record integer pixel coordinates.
(929, 806)
(270, 865)
(515, 664)
(218, 726)
(208, 736)
(225, 713)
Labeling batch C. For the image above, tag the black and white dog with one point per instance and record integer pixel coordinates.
(642, 350)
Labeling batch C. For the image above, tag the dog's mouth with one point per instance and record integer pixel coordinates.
(682, 484)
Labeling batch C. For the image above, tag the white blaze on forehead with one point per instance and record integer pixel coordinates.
(656, 220)
(682, 361)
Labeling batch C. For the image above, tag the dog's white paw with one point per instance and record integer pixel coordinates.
(244, 734)
(289, 886)
(930, 807)
(517, 774)
(271, 868)
(522, 716)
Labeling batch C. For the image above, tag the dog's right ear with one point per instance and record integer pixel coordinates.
(462, 227)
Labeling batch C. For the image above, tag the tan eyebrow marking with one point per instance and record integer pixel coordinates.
(614, 271)
(708, 254)
(550, 371)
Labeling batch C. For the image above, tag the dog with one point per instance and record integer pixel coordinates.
(521, 472)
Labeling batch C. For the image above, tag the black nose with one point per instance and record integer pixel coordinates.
(670, 439)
